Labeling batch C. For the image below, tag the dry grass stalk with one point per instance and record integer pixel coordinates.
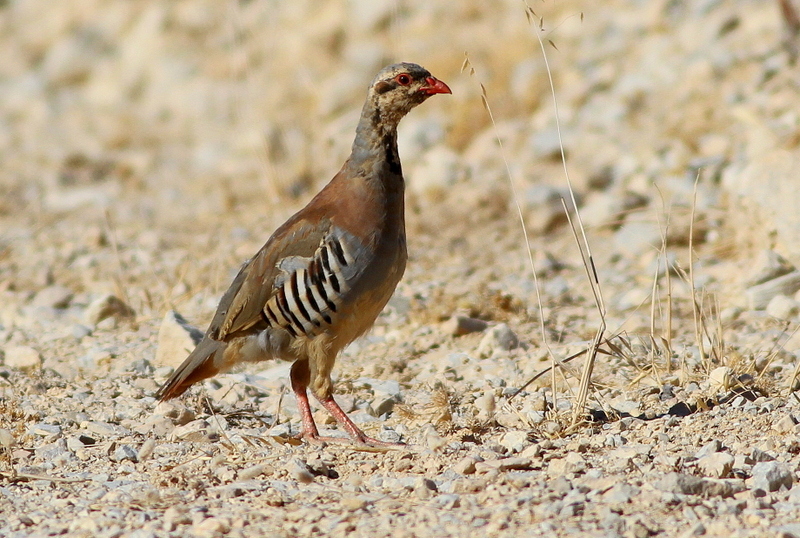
(696, 308)
(666, 336)
(583, 246)
(484, 98)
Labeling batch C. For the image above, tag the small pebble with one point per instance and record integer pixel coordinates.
(22, 357)
(105, 307)
(460, 325)
(772, 476)
(300, 472)
(785, 425)
(253, 471)
(465, 465)
(54, 296)
(515, 440)
(125, 452)
(708, 449)
(783, 307)
(720, 379)
(80, 331)
(212, 526)
(146, 450)
(433, 440)
(485, 405)
(504, 464)
(717, 465)
(497, 339)
(6, 438)
(352, 503)
(176, 339)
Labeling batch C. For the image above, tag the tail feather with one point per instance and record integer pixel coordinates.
(199, 365)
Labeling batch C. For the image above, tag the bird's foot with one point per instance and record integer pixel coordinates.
(359, 442)
(370, 442)
(314, 439)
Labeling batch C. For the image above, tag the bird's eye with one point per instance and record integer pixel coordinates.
(403, 79)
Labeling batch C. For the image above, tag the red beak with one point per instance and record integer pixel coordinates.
(435, 86)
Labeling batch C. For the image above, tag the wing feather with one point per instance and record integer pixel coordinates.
(241, 307)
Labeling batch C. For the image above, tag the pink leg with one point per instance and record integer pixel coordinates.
(299, 376)
(354, 431)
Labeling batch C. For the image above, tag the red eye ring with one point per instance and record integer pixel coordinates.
(403, 79)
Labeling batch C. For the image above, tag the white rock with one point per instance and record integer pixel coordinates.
(503, 464)
(509, 420)
(7, 438)
(716, 465)
(783, 307)
(485, 405)
(104, 429)
(712, 447)
(730, 314)
(465, 465)
(382, 403)
(497, 339)
(785, 425)
(69, 60)
(515, 440)
(626, 407)
(526, 79)
(212, 526)
(573, 463)
(79, 331)
(195, 431)
(22, 357)
(771, 476)
(760, 295)
(768, 265)
(543, 208)
(124, 452)
(176, 339)
(602, 209)
(248, 473)
(59, 199)
(53, 296)
(106, 306)
(546, 143)
(459, 325)
(174, 516)
(635, 297)
(146, 450)
(720, 379)
(433, 440)
(299, 470)
(366, 14)
(157, 425)
(424, 488)
(760, 180)
(418, 134)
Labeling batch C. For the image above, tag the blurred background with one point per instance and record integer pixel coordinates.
(138, 137)
(149, 147)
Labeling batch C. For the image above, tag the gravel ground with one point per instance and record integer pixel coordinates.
(150, 147)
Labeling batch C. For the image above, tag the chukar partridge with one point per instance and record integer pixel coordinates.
(324, 276)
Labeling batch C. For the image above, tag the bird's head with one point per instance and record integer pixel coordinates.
(400, 87)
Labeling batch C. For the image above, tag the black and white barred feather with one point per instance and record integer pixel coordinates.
(309, 291)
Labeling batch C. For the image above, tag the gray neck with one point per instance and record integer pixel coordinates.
(375, 145)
